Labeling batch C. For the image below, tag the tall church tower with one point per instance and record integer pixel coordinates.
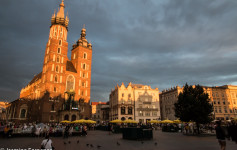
(81, 58)
(55, 58)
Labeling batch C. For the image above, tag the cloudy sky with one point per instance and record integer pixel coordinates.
(161, 43)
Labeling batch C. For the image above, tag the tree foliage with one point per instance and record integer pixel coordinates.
(193, 105)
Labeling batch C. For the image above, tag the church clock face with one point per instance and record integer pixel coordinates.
(70, 84)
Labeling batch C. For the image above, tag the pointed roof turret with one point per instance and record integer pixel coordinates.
(60, 17)
(60, 13)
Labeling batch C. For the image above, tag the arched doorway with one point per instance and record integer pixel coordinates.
(123, 119)
(130, 118)
(66, 117)
(74, 117)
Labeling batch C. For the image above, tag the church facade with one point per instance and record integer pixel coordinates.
(61, 91)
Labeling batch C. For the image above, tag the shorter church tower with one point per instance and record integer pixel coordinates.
(81, 58)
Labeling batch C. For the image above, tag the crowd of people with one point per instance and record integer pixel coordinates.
(42, 130)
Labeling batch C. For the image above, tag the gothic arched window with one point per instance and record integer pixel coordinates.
(56, 78)
(70, 84)
(23, 113)
(59, 50)
(66, 117)
(74, 117)
(56, 69)
(85, 56)
(58, 59)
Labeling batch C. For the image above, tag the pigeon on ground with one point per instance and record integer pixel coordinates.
(87, 145)
(155, 143)
(64, 143)
(78, 142)
(98, 146)
(91, 145)
(69, 142)
(118, 143)
(142, 142)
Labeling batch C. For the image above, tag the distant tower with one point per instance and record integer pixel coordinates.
(81, 58)
(55, 58)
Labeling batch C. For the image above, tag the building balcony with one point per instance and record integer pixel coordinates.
(147, 109)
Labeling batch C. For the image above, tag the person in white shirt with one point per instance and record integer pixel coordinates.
(47, 143)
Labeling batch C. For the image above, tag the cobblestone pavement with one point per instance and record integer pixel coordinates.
(165, 141)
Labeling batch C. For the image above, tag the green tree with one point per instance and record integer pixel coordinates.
(194, 105)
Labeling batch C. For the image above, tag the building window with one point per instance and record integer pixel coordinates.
(154, 113)
(220, 110)
(58, 59)
(130, 110)
(66, 117)
(56, 69)
(129, 95)
(59, 50)
(82, 93)
(60, 42)
(216, 110)
(74, 117)
(55, 89)
(147, 114)
(122, 110)
(225, 110)
(85, 56)
(56, 79)
(140, 113)
(122, 94)
(84, 66)
(214, 101)
(70, 84)
(23, 113)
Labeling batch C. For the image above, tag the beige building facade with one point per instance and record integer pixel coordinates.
(223, 98)
(137, 102)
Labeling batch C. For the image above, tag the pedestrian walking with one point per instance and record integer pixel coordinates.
(221, 134)
(47, 143)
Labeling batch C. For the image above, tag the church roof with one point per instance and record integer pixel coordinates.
(70, 67)
(36, 77)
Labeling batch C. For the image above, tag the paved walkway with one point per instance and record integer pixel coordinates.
(165, 141)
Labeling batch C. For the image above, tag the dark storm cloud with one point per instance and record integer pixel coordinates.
(159, 43)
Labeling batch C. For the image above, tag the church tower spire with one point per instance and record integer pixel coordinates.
(55, 58)
(60, 17)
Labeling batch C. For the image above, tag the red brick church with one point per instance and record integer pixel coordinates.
(61, 91)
